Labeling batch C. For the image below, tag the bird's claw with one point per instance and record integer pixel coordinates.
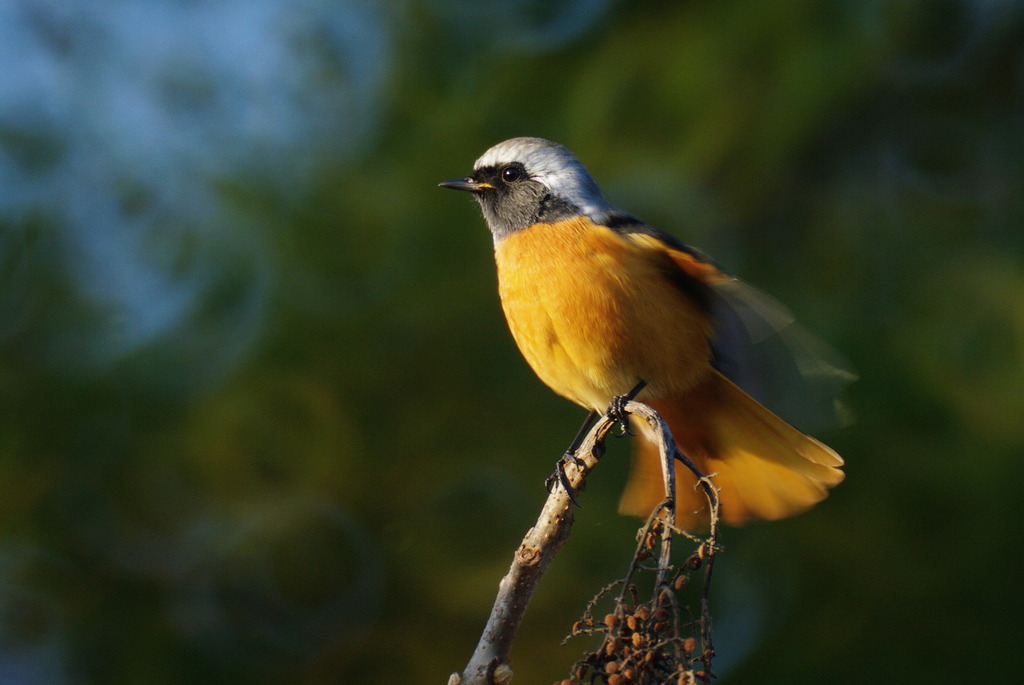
(617, 412)
(617, 408)
(559, 477)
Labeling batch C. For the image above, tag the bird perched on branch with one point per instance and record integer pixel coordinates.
(599, 302)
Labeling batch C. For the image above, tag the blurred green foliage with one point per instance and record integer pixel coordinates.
(338, 501)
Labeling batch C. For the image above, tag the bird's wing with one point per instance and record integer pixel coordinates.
(758, 344)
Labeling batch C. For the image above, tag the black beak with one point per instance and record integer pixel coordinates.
(467, 184)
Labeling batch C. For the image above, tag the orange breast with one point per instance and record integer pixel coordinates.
(593, 313)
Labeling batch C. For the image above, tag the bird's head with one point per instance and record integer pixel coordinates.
(525, 181)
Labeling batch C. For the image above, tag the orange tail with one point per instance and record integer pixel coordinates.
(764, 468)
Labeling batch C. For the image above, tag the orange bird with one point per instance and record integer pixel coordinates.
(599, 301)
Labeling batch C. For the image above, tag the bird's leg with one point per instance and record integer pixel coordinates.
(570, 455)
(617, 411)
(617, 408)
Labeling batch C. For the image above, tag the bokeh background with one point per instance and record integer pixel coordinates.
(260, 418)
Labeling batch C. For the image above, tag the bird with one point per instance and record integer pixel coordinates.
(600, 303)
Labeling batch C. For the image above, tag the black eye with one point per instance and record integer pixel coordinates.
(513, 173)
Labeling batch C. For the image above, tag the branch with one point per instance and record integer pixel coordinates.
(489, 664)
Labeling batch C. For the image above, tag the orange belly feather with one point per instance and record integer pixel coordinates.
(593, 314)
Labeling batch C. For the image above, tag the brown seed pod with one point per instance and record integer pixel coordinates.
(577, 626)
(652, 541)
(660, 626)
(643, 555)
(631, 622)
(629, 673)
(611, 620)
(616, 679)
(611, 667)
(689, 645)
(680, 581)
(661, 615)
(642, 612)
(637, 639)
(693, 563)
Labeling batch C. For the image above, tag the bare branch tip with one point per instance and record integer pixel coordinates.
(502, 674)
